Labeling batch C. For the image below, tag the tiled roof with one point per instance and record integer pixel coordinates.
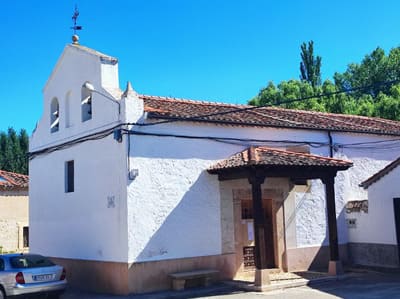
(11, 180)
(274, 157)
(377, 176)
(245, 115)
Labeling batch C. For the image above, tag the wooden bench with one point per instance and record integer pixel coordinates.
(179, 279)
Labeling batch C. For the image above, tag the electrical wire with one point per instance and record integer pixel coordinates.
(214, 138)
(67, 144)
(107, 132)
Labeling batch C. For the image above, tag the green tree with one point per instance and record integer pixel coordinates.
(13, 151)
(3, 146)
(374, 99)
(371, 73)
(310, 66)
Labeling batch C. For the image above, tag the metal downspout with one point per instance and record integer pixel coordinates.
(330, 144)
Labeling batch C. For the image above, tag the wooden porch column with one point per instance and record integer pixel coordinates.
(335, 265)
(262, 273)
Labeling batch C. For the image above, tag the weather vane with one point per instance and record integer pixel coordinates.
(75, 37)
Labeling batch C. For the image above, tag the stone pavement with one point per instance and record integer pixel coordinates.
(366, 285)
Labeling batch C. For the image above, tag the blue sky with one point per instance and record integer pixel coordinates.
(217, 50)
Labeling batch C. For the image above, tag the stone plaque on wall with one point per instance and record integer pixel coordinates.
(357, 206)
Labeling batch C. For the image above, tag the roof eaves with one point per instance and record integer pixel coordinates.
(156, 115)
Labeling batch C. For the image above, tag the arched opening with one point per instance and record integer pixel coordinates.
(54, 115)
(86, 103)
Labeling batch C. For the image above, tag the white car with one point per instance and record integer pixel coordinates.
(27, 274)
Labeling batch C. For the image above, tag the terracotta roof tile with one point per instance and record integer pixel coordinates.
(11, 180)
(377, 176)
(245, 115)
(274, 157)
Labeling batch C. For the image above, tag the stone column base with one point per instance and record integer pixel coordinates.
(261, 277)
(335, 268)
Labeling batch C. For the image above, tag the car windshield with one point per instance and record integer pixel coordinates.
(30, 261)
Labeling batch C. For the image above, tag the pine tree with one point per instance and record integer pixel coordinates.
(310, 66)
(13, 151)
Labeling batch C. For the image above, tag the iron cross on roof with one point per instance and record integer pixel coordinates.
(75, 37)
(74, 19)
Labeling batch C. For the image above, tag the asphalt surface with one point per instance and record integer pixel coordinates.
(370, 285)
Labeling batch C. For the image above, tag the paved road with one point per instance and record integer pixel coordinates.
(372, 285)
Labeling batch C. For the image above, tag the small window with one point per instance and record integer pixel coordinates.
(86, 104)
(54, 115)
(25, 236)
(69, 176)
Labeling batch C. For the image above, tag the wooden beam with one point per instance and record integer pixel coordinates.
(329, 182)
(256, 179)
(295, 172)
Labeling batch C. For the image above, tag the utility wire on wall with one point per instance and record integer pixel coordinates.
(116, 130)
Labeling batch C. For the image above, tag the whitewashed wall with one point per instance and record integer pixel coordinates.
(378, 225)
(172, 168)
(89, 223)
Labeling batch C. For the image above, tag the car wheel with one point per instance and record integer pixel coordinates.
(2, 295)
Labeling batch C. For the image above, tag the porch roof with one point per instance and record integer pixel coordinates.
(281, 161)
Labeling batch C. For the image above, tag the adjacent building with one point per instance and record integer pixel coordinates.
(374, 223)
(14, 212)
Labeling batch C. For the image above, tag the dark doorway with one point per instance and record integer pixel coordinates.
(268, 232)
(396, 205)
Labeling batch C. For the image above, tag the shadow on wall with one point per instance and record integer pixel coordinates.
(191, 228)
(188, 238)
(321, 259)
(314, 257)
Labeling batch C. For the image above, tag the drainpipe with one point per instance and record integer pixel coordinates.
(330, 144)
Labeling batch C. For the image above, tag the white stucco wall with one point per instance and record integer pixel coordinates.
(174, 204)
(89, 223)
(378, 225)
(172, 165)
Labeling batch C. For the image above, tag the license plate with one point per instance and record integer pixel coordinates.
(42, 277)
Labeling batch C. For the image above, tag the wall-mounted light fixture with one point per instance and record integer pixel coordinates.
(133, 173)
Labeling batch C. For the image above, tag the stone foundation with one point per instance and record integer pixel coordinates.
(123, 278)
(370, 254)
(313, 258)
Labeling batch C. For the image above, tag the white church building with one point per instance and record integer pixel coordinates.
(126, 188)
